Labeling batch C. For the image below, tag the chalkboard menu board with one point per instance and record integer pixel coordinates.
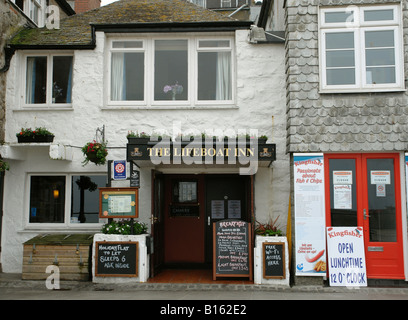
(274, 260)
(116, 259)
(232, 249)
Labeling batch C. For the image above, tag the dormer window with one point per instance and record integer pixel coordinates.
(34, 9)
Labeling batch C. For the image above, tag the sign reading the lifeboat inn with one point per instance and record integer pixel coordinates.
(245, 152)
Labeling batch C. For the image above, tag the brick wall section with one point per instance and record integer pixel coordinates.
(86, 5)
(336, 122)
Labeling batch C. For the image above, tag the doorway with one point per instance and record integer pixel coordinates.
(184, 208)
(364, 190)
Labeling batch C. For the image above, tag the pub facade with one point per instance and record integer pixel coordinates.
(193, 81)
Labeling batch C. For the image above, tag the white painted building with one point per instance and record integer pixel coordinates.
(83, 89)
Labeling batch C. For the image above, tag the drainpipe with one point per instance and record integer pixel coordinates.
(239, 9)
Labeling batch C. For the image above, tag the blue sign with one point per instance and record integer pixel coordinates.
(119, 169)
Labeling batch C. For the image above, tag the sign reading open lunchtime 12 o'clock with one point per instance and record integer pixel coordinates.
(346, 258)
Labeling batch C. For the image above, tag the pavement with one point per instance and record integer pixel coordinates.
(12, 287)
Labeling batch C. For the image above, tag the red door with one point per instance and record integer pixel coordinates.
(364, 190)
(184, 220)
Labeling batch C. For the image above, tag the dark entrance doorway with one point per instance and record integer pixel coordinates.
(184, 209)
(226, 197)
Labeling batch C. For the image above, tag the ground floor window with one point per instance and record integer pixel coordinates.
(65, 198)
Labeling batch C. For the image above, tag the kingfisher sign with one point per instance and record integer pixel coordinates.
(346, 257)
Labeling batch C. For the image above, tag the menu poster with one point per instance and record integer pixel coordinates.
(234, 209)
(309, 206)
(217, 209)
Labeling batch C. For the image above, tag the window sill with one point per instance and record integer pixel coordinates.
(45, 108)
(171, 107)
(363, 91)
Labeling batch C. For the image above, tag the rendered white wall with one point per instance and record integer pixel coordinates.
(260, 105)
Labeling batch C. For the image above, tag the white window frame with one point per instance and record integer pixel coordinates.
(359, 27)
(48, 103)
(67, 208)
(109, 66)
(28, 7)
(192, 99)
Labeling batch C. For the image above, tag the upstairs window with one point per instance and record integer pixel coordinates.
(214, 70)
(361, 49)
(182, 71)
(127, 71)
(48, 80)
(34, 9)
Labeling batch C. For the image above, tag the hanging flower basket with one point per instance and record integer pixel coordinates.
(40, 134)
(95, 152)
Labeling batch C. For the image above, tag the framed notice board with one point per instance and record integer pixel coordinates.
(273, 258)
(118, 202)
(116, 259)
(232, 250)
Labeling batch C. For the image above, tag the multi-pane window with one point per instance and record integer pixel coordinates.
(214, 70)
(34, 9)
(170, 69)
(127, 71)
(361, 48)
(174, 71)
(48, 79)
(65, 198)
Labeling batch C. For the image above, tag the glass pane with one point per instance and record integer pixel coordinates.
(185, 191)
(127, 76)
(375, 39)
(343, 194)
(62, 79)
(378, 15)
(127, 44)
(47, 199)
(380, 57)
(214, 76)
(381, 200)
(340, 58)
(340, 40)
(171, 70)
(336, 17)
(340, 76)
(36, 80)
(85, 198)
(380, 75)
(214, 44)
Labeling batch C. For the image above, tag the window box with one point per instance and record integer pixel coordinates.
(35, 139)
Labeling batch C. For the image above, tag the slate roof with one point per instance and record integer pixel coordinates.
(77, 30)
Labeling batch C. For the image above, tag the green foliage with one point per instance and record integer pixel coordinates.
(123, 227)
(39, 131)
